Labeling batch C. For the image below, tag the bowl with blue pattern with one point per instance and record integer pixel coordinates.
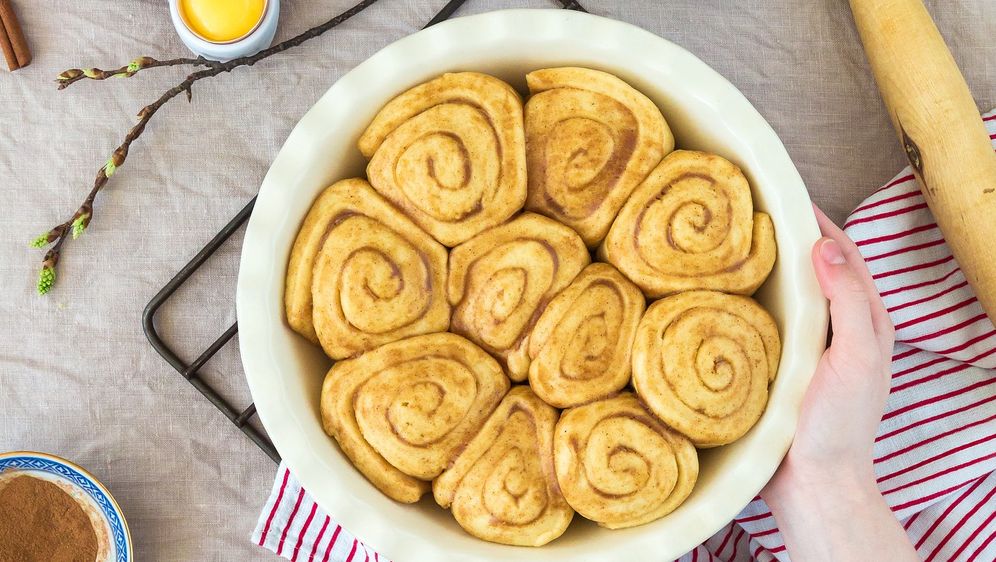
(113, 536)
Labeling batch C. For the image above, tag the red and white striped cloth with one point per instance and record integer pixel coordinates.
(935, 453)
(293, 526)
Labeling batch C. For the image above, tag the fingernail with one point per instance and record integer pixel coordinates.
(830, 252)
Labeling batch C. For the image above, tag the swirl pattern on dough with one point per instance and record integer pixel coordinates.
(691, 225)
(702, 362)
(619, 466)
(402, 412)
(502, 487)
(580, 347)
(361, 274)
(591, 139)
(451, 154)
(502, 279)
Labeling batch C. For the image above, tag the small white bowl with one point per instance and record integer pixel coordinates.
(706, 112)
(259, 38)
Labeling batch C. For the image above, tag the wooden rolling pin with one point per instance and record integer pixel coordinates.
(941, 130)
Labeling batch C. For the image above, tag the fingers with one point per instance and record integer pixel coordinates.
(881, 323)
(850, 305)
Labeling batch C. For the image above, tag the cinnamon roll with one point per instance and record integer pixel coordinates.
(580, 347)
(403, 411)
(619, 466)
(502, 279)
(361, 274)
(591, 139)
(450, 153)
(691, 225)
(502, 487)
(702, 362)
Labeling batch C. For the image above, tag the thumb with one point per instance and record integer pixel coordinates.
(850, 305)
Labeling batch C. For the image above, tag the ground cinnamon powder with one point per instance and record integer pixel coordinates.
(39, 522)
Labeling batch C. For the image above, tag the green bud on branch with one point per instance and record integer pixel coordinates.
(91, 72)
(70, 74)
(79, 225)
(42, 240)
(140, 63)
(114, 162)
(46, 279)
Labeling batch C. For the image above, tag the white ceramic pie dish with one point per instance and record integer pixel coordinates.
(706, 112)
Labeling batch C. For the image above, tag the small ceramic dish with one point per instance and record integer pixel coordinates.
(113, 536)
(705, 112)
(254, 41)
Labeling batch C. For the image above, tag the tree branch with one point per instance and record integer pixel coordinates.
(77, 224)
(73, 75)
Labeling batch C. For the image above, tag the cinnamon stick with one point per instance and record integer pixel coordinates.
(8, 49)
(15, 37)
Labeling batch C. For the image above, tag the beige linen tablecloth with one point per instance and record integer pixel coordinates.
(77, 377)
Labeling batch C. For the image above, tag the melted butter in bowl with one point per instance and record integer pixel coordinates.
(223, 30)
(222, 21)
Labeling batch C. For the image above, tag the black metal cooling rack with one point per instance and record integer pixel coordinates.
(191, 371)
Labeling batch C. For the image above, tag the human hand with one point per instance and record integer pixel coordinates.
(824, 495)
(843, 406)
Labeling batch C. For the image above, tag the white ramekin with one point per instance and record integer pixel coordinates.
(257, 40)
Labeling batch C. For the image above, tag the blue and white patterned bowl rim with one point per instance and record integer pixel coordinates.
(31, 461)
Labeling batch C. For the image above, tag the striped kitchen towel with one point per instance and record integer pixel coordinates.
(293, 526)
(935, 453)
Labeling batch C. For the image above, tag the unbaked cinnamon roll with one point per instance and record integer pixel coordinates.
(691, 225)
(502, 279)
(403, 411)
(580, 347)
(451, 154)
(502, 487)
(361, 274)
(619, 466)
(702, 362)
(591, 139)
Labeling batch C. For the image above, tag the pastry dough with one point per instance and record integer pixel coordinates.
(691, 225)
(590, 140)
(502, 488)
(619, 466)
(450, 153)
(403, 411)
(502, 279)
(361, 274)
(580, 347)
(702, 362)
